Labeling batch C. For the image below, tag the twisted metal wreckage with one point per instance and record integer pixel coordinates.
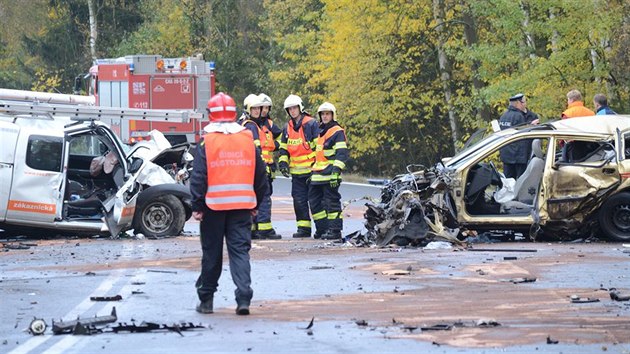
(413, 210)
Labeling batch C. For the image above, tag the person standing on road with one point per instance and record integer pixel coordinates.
(575, 106)
(297, 155)
(263, 139)
(331, 154)
(601, 105)
(514, 156)
(227, 184)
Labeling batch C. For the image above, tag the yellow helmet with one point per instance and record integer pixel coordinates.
(327, 107)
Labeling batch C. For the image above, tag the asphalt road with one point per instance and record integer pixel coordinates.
(361, 299)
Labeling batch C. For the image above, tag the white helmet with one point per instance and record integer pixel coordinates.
(265, 100)
(327, 107)
(293, 100)
(250, 101)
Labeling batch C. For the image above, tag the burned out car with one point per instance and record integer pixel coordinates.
(577, 184)
(74, 175)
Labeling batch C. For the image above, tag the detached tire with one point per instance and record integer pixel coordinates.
(614, 217)
(161, 216)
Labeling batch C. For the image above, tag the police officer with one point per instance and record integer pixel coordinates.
(227, 184)
(330, 159)
(263, 139)
(297, 155)
(514, 156)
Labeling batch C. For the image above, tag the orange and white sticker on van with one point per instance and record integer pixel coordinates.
(31, 207)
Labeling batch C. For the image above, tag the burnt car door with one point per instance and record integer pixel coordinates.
(583, 173)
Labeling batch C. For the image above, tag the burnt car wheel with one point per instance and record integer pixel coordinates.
(161, 216)
(614, 217)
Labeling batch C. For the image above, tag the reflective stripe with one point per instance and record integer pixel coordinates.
(340, 145)
(263, 226)
(283, 158)
(254, 227)
(229, 187)
(321, 215)
(329, 152)
(228, 200)
(334, 215)
(257, 142)
(339, 164)
(304, 223)
(223, 108)
(283, 146)
(320, 178)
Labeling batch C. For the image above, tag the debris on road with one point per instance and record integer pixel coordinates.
(106, 298)
(582, 300)
(618, 296)
(37, 327)
(62, 327)
(519, 280)
(161, 271)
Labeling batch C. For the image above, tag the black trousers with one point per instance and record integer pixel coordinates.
(299, 192)
(235, 225)
(326, 207)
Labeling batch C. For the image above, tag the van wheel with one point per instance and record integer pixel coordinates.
(161, 216)
(614, 217)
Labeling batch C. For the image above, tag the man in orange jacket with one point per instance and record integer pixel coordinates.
(227, 185)
(576, 107)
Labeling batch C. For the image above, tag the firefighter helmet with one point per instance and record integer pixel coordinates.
(327, 107)
(221, 108)
(265, 100)
(293, 100)
(250, 101)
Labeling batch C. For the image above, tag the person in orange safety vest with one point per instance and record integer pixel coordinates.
(297, 155)
(227, 184)
(261, 130)
(331, 155)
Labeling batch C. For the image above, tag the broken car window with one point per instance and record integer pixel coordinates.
(44, 153)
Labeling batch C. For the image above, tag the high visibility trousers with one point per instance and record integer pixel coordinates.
(262, 220)
(299, 192)
(235, 226)
(326, 207)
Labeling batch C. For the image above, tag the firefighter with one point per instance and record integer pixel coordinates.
(227, 184)
(263, 139)
(247, 101)
(297, 155)
(331, 154)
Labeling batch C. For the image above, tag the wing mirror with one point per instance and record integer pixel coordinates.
(135, 165)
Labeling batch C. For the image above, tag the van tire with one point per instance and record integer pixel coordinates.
(614, 217)
(161, 216)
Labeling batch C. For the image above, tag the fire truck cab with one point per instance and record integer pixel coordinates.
(153, 82)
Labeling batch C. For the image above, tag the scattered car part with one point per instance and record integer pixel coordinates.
(520, 280)
(62, 327)
(437, 327)
(37, 327)
(152, 327)
(618, 296)
(106, 298)
(499, 250)
(575, 299)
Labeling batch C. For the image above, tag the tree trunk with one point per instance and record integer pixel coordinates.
(555, 37)
(470, 35)
(93, 28)
(445, 75)
(529, 38)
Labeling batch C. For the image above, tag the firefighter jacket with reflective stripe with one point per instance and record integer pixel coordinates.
(263, 138)
(297, 146)
(331, 153)
(577, 109)
(231, 164)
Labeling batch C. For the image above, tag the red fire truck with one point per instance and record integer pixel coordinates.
(153, 82)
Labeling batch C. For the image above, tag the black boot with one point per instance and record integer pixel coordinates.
(205, 306)
(302, 233)
(332, 235)
(268, 235)
(318, 234)
(255, 235)
(242, 309)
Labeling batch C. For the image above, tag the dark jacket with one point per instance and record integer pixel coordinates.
(341, 154)
(311, 132)
(517, 152)
(199, 179)
(604, 110)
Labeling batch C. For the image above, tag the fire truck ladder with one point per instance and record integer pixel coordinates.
(84, 113)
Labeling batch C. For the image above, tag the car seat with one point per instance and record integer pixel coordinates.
(526, 185)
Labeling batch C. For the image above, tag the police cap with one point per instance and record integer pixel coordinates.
(517, 97)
